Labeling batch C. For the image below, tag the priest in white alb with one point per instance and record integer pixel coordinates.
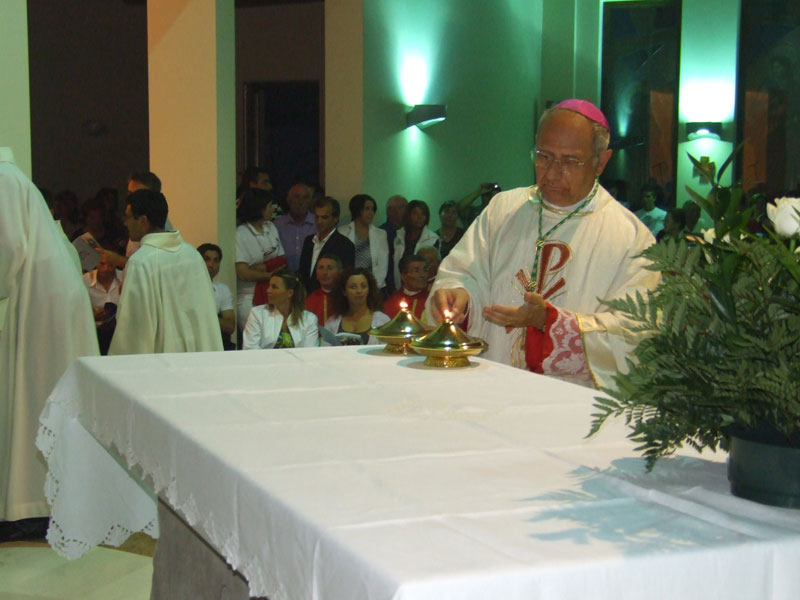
(531, 272)
(46, 322)
(167, 302)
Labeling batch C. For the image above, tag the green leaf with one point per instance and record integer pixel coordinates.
(700, 201)
(728, 161)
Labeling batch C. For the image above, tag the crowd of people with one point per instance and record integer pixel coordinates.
(302, 278)
(348, 278)
(345, 279)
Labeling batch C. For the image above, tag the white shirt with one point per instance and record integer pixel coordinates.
(99, 295)
(654, 219)
(264, 326)
(254, 247)
(318, 244)
(223, 296)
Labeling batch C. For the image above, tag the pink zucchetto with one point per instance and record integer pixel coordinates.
(585, 108)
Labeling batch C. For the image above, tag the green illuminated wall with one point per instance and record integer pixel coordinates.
(480, 58)
(709, 48)
(15, 115)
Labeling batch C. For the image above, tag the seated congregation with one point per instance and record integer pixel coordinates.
(302, 279)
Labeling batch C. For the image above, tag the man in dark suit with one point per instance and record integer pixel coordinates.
(326, 241)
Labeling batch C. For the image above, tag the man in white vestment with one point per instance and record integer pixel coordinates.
(167, 302)
(45, 323)
(531, 271)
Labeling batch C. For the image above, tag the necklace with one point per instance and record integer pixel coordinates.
(543, 236)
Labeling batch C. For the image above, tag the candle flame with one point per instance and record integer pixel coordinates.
(447, 314)
(403, 305)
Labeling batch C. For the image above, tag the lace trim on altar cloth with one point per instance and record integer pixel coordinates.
(567, 360)
(70, 547)
(57, 419)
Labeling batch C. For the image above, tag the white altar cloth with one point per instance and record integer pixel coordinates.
(345, 473)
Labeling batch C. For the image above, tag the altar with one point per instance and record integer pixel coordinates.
(347, 473)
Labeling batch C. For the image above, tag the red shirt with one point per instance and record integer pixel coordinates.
(319, 303)
(416, 303)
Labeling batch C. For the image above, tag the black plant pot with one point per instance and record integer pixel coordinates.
(765, 473)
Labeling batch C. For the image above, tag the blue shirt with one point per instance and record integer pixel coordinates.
(292, 236)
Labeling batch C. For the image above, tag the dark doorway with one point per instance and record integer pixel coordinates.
(641, 54)
(769, 88)
(281, 131)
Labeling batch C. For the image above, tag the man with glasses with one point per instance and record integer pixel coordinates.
(531, 273)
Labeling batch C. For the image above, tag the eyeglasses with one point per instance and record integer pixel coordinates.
(545, 160)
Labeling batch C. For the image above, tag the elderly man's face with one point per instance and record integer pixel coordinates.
(431, 262)
(416, 278)
(299, 200)
(567, 135)
(395, 211)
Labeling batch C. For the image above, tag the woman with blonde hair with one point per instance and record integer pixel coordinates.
(283, 322)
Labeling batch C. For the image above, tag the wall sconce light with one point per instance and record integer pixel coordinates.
(699, 130)
(425, 115)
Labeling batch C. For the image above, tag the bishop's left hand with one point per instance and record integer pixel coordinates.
(533, 312)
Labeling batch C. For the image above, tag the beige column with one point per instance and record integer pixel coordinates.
(344, 98)
(15, 113)
(191, 67)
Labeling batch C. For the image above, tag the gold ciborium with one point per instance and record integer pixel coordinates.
(448, 346)
(398, 333)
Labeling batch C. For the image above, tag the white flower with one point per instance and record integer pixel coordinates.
(709, 235)
(784, 216)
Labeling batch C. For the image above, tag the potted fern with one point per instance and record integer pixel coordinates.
(720, 367)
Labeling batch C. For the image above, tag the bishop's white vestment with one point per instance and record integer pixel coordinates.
(591, 256)
(167, 302)
(45, 323)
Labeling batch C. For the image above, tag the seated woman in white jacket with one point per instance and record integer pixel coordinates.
(372, 249)
(283, 322)
(356, 299)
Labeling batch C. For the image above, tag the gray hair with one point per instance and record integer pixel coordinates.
(396, 200)
(430, 249)
(600, 135)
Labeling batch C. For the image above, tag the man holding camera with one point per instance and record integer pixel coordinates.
(467, 210)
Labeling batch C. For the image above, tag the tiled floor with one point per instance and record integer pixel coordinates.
(32, 571)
